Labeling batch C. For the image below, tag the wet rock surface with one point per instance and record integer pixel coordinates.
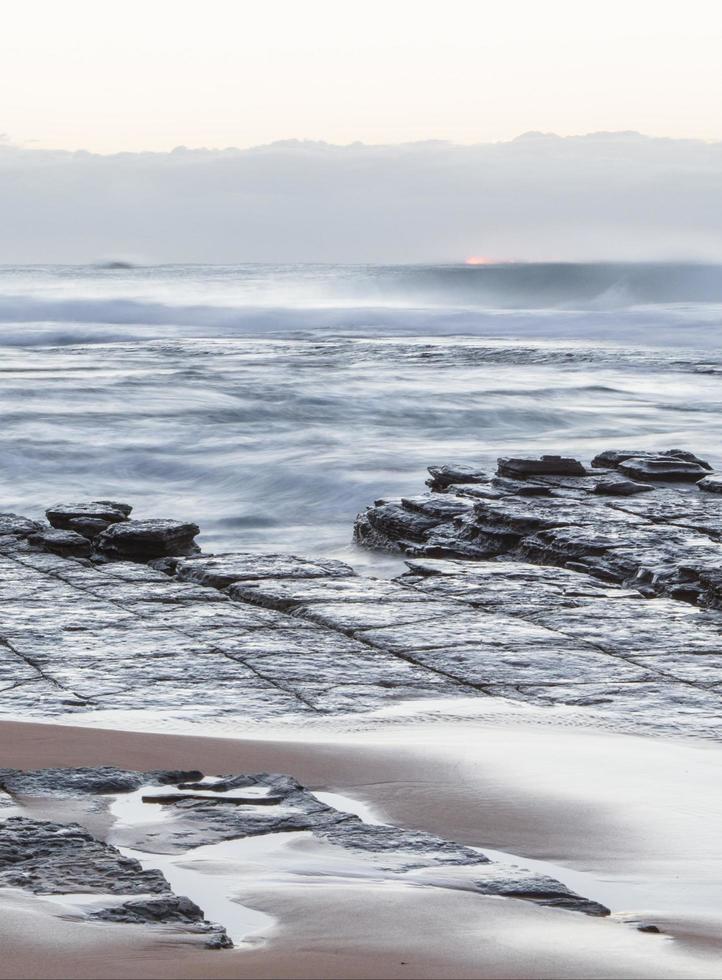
(61, 858)
(49, 858)
(578, 599)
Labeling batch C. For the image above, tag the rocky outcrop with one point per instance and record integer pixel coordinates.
(53, 858)
(49, 858)
(667, 542)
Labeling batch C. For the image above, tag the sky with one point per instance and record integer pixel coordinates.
(622, 196)
(155, 74)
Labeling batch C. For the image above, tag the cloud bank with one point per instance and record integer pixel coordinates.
(542, 197)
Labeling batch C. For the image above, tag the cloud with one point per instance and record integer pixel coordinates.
(540, 196)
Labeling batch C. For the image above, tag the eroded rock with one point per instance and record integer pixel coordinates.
(146, 540)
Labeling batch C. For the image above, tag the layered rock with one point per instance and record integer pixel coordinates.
(55, 858)
(667, 541)
(49, 858)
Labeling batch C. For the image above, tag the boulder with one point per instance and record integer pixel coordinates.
(146, 540)
(666, 468)
(611, 458)
(88, 519)
(518, 468)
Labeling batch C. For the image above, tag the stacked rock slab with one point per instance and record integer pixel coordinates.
(633, 518)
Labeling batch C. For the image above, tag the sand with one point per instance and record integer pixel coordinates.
(634, 819)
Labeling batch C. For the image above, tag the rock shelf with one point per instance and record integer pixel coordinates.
(65, 858)
(626, 631)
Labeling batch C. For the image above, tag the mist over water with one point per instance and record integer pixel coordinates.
(271, 404)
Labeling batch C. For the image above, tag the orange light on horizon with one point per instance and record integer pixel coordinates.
(478, 260)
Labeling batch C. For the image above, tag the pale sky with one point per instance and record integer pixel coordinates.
(154, 74)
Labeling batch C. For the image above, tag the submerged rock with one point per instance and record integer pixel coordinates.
(146, 540)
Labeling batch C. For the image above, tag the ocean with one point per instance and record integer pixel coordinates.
(271, 403)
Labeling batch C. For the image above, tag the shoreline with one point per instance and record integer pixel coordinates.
(551, 795)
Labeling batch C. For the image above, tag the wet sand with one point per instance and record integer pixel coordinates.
(638, 817)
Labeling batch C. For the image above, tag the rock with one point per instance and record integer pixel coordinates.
(88, 519)
(521, 488)
(50, 858)
(220, 571)
(666, 468)
(443, 476)
(711, 484)
(146, 540)
(518, 468)
(621, 488)
(14, 526)
(53, 858)
(85, 781)
(69, 544)
(613, 457)
(648, 928)
(89, 527)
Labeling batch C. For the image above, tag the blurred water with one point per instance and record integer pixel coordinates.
(273, 436)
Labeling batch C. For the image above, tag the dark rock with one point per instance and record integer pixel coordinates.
(613, 457)
(89, 527)
(519, 468)
(69, 544)
(401, 523)
(55, 859)
(711, 484)
(15, 526)
(145, 540)
(168, 910)
(52, 858)
(86, 781)
(621, 488)
(648, 928)
(72, 517)
(443, 476)
(436, 505)
(663, 468)
(521, 488)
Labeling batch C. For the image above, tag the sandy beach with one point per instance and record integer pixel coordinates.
(489, 784)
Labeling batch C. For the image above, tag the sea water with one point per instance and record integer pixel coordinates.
(271, 403)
